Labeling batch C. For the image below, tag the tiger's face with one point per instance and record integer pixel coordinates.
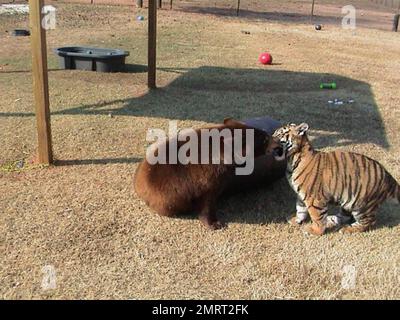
(290, 137)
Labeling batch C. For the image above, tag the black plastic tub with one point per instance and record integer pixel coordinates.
(92, 59)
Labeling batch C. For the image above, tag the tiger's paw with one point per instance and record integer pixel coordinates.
(315, 230)
(333, 222)
(354, 228)
(296, 221)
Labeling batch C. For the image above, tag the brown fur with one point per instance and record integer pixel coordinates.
(172, 189)
(355, 182)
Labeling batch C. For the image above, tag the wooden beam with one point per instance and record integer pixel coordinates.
(40, 82)
(152, 44)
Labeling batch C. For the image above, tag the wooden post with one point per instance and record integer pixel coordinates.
(170, 5)
(238, 8)
(396, 22)
(152, 44)
(312, 9)
(159, 4)
(40, 81)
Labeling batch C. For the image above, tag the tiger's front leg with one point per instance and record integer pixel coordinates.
(301, 215)
(318, 212)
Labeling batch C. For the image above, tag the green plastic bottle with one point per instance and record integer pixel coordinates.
(331, 85)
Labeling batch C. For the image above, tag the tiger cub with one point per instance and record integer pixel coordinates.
(355, 182)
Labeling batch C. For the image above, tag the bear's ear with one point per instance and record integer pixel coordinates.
(229, 122)
(302, 128)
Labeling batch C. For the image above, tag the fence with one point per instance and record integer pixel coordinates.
(393, 4)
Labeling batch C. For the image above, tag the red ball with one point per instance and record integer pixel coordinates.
(265, 58)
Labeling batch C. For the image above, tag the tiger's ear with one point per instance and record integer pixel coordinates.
(302, 128)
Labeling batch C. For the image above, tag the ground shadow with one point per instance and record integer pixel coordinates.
(81, 162)
(211, 94)
(264, 204)
(368, 21)
(268, 203)
(27, 71)
(128, 68)
(135, 68)
(282, 17)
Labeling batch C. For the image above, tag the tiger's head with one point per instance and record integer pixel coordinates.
(290, 137)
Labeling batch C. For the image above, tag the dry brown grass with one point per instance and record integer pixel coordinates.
(82, 217)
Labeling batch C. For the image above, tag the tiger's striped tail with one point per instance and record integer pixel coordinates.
(394, 189)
